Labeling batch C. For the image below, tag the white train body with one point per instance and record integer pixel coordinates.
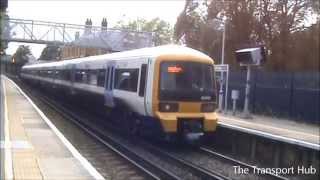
(137, 80)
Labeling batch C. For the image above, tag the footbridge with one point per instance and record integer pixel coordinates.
(43, 32)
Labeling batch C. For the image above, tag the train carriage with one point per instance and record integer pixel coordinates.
(166, 90)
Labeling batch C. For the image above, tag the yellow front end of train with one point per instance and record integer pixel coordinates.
(184, 95)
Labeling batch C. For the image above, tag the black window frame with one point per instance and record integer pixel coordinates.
(107, 78)
(143, 79)
(101, 77)
(126, 84)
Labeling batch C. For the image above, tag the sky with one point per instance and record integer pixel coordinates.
(77, 11)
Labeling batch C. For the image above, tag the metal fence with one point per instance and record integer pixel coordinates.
(281, 94)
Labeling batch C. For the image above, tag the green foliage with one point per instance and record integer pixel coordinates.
(4, 30)
(21, 55)
(51, 53)
(277, 24)
(162, 29)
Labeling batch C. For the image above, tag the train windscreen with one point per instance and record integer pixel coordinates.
(186, 81)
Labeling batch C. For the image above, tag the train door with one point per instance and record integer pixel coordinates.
(54, 76)
(141, 100)
(149, 88)
(108, 95)
(72, 70)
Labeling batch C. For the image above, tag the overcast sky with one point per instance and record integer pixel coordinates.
(76, 12)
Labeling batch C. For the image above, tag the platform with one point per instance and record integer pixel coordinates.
(289, 131)
(31, 146)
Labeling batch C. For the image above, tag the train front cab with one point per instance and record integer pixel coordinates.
(184, 100)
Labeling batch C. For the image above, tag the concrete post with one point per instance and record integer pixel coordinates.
(253, 148)
(277, 151)
(246, 112)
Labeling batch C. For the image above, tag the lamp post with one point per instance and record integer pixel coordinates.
(222, 62)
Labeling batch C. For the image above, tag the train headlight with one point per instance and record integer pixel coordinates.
(208, 107)
(168, 107)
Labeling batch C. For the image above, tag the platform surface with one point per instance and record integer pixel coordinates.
(303, 133)
(33, 147)
(1, 132)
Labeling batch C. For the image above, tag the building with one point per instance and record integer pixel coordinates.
(105, 40)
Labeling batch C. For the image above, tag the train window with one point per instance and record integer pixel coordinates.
(92, 77)
(185, 81)
(49, 73)
(111, 78)
(63, 74)
(78, 76)
(56, 74)
(101, 77)
(107, 78)
(143, 76)
(126, 79)
(68, 75)
(84, 75)
(42, 74)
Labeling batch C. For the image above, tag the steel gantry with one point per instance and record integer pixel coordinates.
(42, 32)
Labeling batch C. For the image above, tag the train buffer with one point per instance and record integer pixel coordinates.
(31, 146)
(288, 131)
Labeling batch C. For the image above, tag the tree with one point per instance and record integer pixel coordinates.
(279, 22)
(51, 53)
(190, 25)
(249, 23)
(4, 30)
(162, 29)
(22, 54)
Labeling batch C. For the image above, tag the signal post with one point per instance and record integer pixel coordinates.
(250, 57)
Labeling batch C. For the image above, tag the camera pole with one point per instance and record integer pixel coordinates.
(246, 112)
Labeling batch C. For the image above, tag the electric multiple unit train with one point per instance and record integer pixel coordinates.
(166, 90)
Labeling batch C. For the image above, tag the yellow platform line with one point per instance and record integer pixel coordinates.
(83, 161)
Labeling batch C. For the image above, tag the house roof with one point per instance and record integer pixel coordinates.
(116, 40)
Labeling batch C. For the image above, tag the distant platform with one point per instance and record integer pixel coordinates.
(289, 131)
(33, 147)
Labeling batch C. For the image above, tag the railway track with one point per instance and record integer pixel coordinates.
(141, 154)
(148, 170)
(212, 153)
(196, 169)
(153, 169)
(205, 160)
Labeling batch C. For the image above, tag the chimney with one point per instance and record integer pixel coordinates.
(88, 26)
(104, 24)
(77, 35)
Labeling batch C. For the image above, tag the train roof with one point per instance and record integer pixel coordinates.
(144, 52)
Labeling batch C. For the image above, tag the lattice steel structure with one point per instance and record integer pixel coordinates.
(45, 32)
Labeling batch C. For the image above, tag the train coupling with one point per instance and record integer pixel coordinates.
(191, 129)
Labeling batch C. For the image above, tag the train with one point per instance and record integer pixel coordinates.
(167, 91)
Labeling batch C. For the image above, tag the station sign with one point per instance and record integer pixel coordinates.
(221, 68)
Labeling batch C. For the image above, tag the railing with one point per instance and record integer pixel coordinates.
(45, 32)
